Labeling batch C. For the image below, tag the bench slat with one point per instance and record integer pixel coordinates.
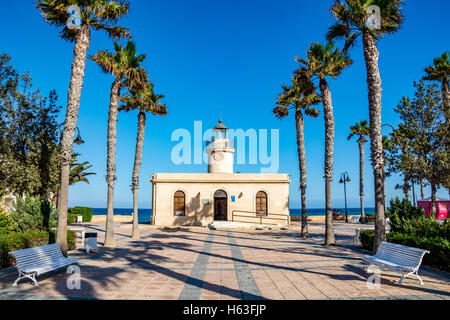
(38, 254)
(39, 262)
(48, 267)
(41, 248)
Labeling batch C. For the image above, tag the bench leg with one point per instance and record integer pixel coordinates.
(416, 274)
(31, 276)
(420, 279)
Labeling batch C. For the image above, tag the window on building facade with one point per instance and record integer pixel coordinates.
(179, 204)
(261, 203)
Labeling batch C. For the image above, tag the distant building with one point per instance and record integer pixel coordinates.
(199, 199)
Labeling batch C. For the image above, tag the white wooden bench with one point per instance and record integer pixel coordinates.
(396, 257)
(33, 262)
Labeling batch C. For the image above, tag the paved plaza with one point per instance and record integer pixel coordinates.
(172, 264)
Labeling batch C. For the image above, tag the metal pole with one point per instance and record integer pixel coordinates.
(345, 195)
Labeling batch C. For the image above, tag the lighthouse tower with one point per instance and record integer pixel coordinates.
(220, 153)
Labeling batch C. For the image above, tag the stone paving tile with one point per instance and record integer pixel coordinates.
(213, 265)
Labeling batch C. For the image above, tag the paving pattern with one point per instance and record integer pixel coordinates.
(205, 264)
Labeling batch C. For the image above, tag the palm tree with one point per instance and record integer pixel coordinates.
(98, 15)
(325, 61)
(361, 129)
(145, 100)
(301, 95)
(77, 174)
(125, 65)
(78, 171)
(352, 22)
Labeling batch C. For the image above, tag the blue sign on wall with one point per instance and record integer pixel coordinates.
(233, 198)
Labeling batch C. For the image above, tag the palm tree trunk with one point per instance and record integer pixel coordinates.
(111, 161)
(361, 180)
(136, 170)
(73, 103)
(302, 165)
(371, 55)
(413, 193)
(329, 159)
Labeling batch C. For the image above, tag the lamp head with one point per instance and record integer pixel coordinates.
(78, 141)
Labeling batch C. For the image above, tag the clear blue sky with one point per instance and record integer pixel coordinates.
(228, 58)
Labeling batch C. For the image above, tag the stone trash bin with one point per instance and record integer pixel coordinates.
(90, 241)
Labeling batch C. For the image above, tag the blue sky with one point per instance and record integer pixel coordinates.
(225, 58)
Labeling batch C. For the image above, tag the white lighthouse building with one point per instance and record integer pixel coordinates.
(220, 153)
(201, 199)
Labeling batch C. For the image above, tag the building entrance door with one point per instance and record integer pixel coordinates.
(220, 205)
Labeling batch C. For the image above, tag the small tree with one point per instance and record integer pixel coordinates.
(419, 142)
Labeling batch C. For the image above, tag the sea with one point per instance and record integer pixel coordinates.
(146, 214)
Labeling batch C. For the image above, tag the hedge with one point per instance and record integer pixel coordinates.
(439, 256)
(30, 239)
(86, 213)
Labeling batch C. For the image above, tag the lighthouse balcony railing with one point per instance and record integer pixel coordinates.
(217, 144)
(261, 217)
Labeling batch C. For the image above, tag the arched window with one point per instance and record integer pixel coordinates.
(261, 203)
(179, 204)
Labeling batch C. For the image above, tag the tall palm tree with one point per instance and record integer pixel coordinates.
(125, 65)
(326, 61)
(145, 100)
(299, 96)
(98, 15)
(352, 22)
(362, 130)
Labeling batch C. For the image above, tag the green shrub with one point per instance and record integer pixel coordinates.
(33, 214)
(403, 215)
(439, 247)
(71, 218)
(5, 222)
(21, 240)
(86, 213)
(370, 218)
(366, 238)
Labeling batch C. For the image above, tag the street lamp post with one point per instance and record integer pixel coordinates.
(344, 179)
